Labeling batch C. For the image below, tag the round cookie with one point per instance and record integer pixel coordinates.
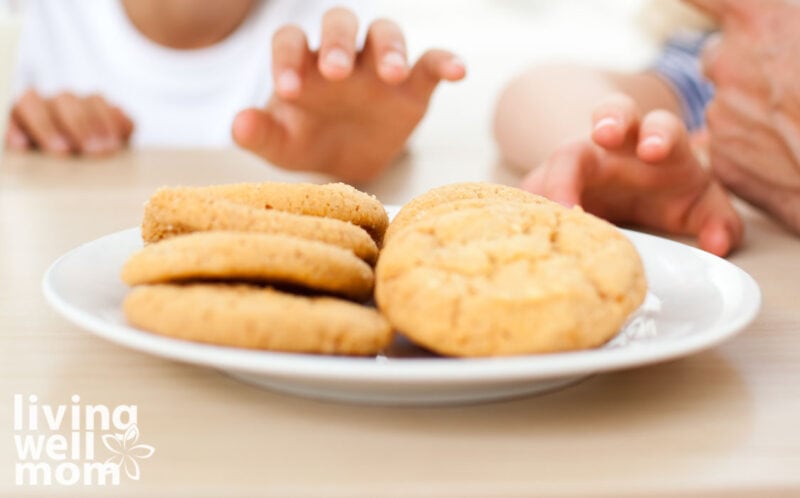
(256, 257)
(252, 317)
(509, 278)
(442, 209)
(175, 211)
(481, 193)
(333, 200)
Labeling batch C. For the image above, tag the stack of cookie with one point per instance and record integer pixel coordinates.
(271, 266)
(486, 270)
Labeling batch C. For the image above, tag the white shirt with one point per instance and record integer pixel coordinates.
(175, 97)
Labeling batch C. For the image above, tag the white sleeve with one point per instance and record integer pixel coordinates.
(23, 76)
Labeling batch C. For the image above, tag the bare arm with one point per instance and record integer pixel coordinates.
(548, 105)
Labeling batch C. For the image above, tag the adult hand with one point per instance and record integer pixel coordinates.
(340, 111)
(66, 124)
(754, 119)
(640, 171)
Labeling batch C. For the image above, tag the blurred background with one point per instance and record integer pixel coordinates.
(499, 38)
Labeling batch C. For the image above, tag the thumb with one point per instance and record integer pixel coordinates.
(717, 237)
(259, 132)
(721, 228)
(565, 175)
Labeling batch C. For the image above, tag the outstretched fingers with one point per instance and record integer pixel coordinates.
(615, 122)
(565, 175)
(662, 135)
(259, 132)
(434, 66)
(385, 49)
(337, 52)
(720, 229)
(290, 57)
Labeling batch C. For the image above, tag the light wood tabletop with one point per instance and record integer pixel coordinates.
(722, 422)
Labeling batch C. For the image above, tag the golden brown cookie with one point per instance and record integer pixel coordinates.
(252, 317)
(256, 257)
(175, 211)
(479, 193)
(334, 200)
(509, 278)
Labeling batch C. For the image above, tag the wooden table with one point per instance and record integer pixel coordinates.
(724, 422)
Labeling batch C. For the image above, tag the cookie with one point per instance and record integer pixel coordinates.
(481, 193)
(509, 278)
(334, 200)
(258, 318)
(253, 257)
(175, 211)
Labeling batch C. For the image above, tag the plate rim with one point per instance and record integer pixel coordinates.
(408, 370)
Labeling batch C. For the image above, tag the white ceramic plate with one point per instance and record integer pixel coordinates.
(695, 301)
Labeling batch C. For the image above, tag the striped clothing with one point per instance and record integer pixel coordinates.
(679, 65)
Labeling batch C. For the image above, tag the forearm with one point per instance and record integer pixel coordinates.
(548, 105)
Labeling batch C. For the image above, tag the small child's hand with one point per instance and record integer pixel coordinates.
(67, 124)
(641, 172)
(340, 111)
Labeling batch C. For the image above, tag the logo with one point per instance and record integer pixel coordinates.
(57, 444)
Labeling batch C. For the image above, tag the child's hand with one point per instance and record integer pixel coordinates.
(641, 172)
(340, 111)
(67, 124)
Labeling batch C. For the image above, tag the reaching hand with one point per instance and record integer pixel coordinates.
(641, 172)
(340, 111)
(754, 118)
(66, 124)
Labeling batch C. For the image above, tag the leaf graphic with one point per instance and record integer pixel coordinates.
(132, 468)
(131, 436)
(126, 451)
(114, 443)
(141, 451)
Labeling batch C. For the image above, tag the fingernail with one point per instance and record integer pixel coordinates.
(58, 144)
(394, 59)
(337, 58)
(109, 143)
(653, 141)
(606, 123)
(18, 139)
(288, 82)
(93, 145)
(457, 62)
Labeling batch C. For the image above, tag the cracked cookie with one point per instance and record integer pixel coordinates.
(476, 193)
(513, 275)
